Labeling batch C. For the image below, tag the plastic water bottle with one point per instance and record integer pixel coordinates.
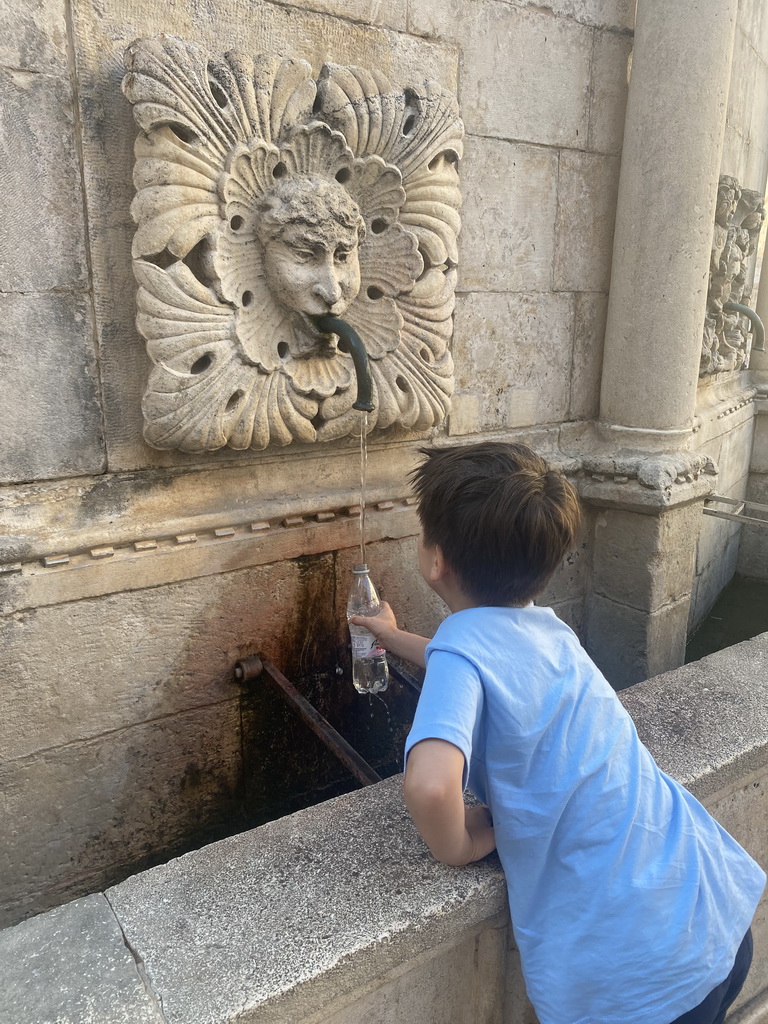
(370, 672)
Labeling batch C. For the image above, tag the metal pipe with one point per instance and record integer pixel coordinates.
(754, 319)
(253, 666)
(332, 325)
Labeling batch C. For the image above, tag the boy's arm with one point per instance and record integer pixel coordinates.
(403, 645)
(455, 834)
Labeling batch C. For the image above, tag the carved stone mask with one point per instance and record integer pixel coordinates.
(265, 198)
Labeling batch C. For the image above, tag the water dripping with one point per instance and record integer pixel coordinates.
(363, 474)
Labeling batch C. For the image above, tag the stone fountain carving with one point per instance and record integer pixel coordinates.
(265, 198)
(739, 217)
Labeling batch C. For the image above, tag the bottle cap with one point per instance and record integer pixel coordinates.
(361, 567)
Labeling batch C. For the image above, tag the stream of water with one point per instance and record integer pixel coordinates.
(363, 474)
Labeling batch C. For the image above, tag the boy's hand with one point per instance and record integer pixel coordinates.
(398, 641)
(382, 625)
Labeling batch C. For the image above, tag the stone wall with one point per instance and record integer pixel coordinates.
(338, 913)
(727, 407)
(133, 579)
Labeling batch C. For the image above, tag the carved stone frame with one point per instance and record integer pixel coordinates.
(233, 148)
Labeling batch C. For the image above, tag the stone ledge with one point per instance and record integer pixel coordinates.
(275, 924)
(706, 723)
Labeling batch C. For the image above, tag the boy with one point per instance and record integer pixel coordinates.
(630, 905)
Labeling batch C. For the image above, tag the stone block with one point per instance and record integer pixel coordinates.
(42, 244)
(645, 561)
(33, 36)
(714, 536)
(524, 74)
(72, 965)
(129, 658)
(587, 193)
(461, 984)
(589, 336)
(510, 205)
(101, 37)
(759, 461)
(753, 549)
(629, 645)
(754, 24)
(442, 18)
(86, 815)
(609, 92)
(514, 352)
(713, 578)
(570, 580)
(50, 420)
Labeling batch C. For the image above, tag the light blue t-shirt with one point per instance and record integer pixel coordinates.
(628, 900)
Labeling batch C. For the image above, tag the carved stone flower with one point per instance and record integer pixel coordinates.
(265, 199)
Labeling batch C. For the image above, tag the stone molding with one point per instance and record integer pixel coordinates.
(266, 197)
(159, 560)
(739, 216)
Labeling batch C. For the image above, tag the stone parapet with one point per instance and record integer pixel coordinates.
(338, 914)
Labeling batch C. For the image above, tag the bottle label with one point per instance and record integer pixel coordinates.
(365, 645)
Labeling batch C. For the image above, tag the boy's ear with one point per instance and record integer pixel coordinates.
(438, 568)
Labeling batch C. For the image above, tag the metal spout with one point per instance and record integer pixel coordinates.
(332, 325)
(754, 319)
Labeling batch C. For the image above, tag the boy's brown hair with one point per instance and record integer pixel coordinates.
(503, 519)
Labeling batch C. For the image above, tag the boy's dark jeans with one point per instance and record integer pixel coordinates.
(712, 1009)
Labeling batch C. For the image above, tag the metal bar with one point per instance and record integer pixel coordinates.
(248, 668)
(737, 516)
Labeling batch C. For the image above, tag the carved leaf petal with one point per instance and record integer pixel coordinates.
(315, 149)
(377, 322)
(320, 375)
(427, 311)
(377, 189)
(390, 260)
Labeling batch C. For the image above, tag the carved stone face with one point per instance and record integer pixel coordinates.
(310, 231)
(313, 272)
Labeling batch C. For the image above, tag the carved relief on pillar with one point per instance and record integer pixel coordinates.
(266, 197)
(739, 216)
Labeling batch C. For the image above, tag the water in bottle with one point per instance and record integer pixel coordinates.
(370, 672)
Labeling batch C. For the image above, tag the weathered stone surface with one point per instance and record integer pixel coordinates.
(224, 930)
(441, 18)
(608, 92)
(509, 212)
(587, 190)
(72, 965)
(570, 581)
(33, 36)
(753, 549)
(50, 419)
(630, 645)
(706, 723)
(461, 985)
(713, 578)
(41, 234)
(546, 70)
(514, 352)
(86, 815)
(645, 561)
(45, 518)
(147, 655)
(589, 335)
(101, 38)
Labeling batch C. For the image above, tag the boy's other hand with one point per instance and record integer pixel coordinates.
(479, 823)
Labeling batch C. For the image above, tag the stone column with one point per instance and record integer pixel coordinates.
(645, 479)
(671, 158)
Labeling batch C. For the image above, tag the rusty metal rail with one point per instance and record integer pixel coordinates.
(253, 667)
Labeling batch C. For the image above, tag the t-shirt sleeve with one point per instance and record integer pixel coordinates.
(450, 704)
